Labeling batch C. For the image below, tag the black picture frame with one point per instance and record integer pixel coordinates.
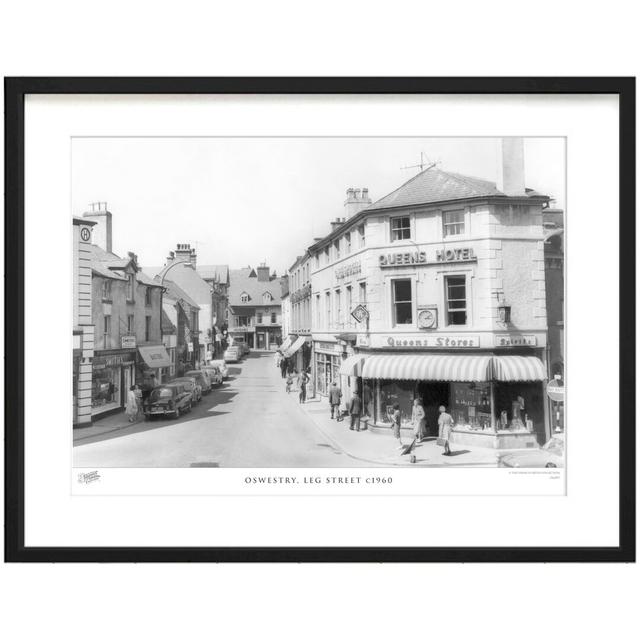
(15, 91)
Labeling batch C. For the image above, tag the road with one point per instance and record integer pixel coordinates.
(248, 422)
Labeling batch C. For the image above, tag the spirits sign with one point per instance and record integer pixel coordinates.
(508, 340)
(360, 313)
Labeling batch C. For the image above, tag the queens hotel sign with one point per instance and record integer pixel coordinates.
(420, 257)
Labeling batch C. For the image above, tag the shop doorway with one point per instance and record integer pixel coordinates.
(261, 341)
(433, 394)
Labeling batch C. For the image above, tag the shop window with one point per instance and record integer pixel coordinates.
(105, 387)
(400, 228)
(106, 290)
(456, 299)
(147, 328)
(106, 338)
(402, 302)
(471, 404)
(131, 324)
(453, 223)
(401, 392)
(519, 406)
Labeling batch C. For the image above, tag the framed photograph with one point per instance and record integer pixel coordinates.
(320, 319)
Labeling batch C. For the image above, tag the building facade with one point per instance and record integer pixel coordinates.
(298, 343)
(437, 292)
(217, 277)
(255, 313)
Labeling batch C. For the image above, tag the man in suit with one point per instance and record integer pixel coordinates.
(354, 410)
(335, 394)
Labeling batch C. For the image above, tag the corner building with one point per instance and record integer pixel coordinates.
(451, 272)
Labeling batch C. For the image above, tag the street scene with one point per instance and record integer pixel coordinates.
(292, 320)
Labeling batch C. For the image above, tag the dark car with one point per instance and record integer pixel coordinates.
(191, 385)
(201, 377)
(168, 400)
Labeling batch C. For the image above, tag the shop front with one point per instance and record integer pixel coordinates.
(328, 358)
(495, 400)
(112, 374)
(156, 361)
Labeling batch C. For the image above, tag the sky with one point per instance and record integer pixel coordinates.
(243, 201)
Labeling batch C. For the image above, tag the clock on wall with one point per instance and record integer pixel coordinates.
(428, 319)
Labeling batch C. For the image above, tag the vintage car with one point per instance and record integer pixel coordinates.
(551, 455)
(170, 399)
(201, 377)
(221, 364)
(232, 354)
(214, 373)
(192, 385)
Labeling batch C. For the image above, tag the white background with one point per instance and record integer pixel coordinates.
(543, 38)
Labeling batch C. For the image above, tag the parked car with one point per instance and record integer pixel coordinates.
(241, 345)
(168, 399)
(550, 455)
(232, 354)
(214, 373)
(201, 377)
(221, 364)
(192, 385)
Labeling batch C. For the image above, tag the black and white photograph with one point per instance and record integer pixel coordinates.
(318, 302)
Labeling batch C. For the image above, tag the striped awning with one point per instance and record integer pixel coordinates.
(456, 368)
(518, 368)
(285, 345)
(295, 346)
(352, 366)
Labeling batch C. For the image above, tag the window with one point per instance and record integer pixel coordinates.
(349, 304)
(327, 301)
(338, 307)
(106, 339)
(317, 260)
(336, 248)
(453, 223)
(274, 319)
(106, 289)
(147, 328)
(318, 311)
(267, 297)
(402, 303)
(244, 297)
(327, 259)
(456, 294)
(400, 228)
(361, 237)
(194, 321)
(147, 296)
(259, 317)
(130, 286)
(347, 242)
(130, 324)
(363, 293)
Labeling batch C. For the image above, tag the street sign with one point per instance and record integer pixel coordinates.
(555, 391)
(360, 313)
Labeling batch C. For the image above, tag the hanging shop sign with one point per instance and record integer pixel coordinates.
(440, 341)
(411, 258)
(508, 340)
(555, 391)
(350, 269)
(328, 346)
(128, 342)
(363, 341)
(103, 362)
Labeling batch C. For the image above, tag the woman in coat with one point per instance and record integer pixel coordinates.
(131, 408)
(419, 420)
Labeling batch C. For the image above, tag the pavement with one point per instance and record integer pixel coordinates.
(252, 422)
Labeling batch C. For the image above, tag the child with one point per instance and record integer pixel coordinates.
(289, 382)
(395, 425)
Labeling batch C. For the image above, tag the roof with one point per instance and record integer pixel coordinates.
(174, 292)
(186, 277)
(167, 326)
(145, 279)
(103, 262)
(436, 185)
(216, 272)
(245, 281)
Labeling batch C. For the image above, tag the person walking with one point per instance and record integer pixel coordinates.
(395, 425)
(303, 378)
(335, 394)
(419, 420)
(289, 382)
(354, 410)
(283, 366)
(445, 424)
(132, 404)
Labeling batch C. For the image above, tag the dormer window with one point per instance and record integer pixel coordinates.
(267, 297)
(244, 297)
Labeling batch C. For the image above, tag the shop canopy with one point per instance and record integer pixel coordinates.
(285, 345)
(295, 346)
(453, 368)
(155, 357)
(518, 368)
(352, 366)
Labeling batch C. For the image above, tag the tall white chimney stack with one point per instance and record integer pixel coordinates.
(511, 167)
(102, 231)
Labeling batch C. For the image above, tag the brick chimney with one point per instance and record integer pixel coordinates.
(263, 273)
(356, 201)
(184, 253)
(338, 222)
(102, 231)
(511, 167)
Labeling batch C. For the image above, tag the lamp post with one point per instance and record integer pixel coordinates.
(162, 290)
